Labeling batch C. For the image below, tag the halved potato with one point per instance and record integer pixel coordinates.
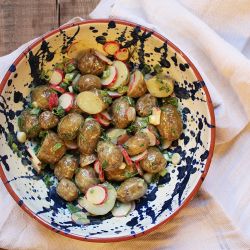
(160, 86)
(137, 86)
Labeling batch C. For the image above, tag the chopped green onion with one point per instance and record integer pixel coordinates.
(59, 66)
(57, 146)
(171, 100)
(59, 111)
(64, 85)
(43, 134)
(69, 77)
(75, 89)
(122, 89)
(35, 111)
(70, 67)
(104, 164)
(72, 209)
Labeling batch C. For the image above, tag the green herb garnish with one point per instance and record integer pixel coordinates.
(146, 69)
(64, 85)
(59, 66)
(129, 174)
(155, 178)
(48, 180)
(35, 111)
(171, 100)
(158, 69)
(59, 111)
(43, 134)
(57, 146)
(36, 148)
(130, 101)
(122, 89)
(75, 89)
(106, 74)
(72, 209)
(69, 68)
(104, 164)
(105, 137)
(142, 145)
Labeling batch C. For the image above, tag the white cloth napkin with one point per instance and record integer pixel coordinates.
(215, 35)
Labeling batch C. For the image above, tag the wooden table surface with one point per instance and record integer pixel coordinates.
(23, 20)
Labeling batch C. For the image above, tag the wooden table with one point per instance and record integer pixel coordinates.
(23, 20)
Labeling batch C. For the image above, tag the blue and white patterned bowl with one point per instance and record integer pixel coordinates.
(195, 146)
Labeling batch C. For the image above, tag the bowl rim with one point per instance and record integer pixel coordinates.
(211, 148)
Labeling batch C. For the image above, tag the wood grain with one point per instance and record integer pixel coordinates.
(72, 8)
(23, 20)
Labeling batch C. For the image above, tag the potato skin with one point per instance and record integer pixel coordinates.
(40, 95)
(154, 162)
(86, 178)
(69, 125)
(67, 190)
(119, 110)
(48, 120)
(137, 143)
(118, 174)
(89, 63)
(52, 148)
(88, 136)
(131, 189)
(145, 104)
(170, 127)
(109, 155)
(66, 167)
(88, 82)
(29, 124)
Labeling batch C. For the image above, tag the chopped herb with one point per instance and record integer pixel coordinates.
(36, 148)
(72, 209)
(158, 69)
(10, 139)
(125, 146)
(122, 89)
(64, 85)
(69, 77)
(163, 172)
(146, 69)
(155, 178)
(171, 100)
(104, 137)
(57, 146)
(35, 111)
(142, 145)
(104, 164)
(129, 174)
(130, 100)
(43, 134)
(131, 129)
(107, 99)
(14, 148)
(48, 180)
(59, 66)
(106, 74)
(45, 75)
(59, 111)
(75, 89)
(70, 67)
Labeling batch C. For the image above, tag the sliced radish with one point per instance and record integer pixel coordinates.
(71, 144)
(36, 163)
(131, 114)
(114, 94)
(115, 133)
(151, 136)
(155, 118)
(58, 88)
(122, 139)
(66, 101)
(103, 208)
(102, 121)
(97, 194)
(86, 160)
(126, 156)
(122, 75)
(138, 168)
(111, 77)
(80, 218)
(140, 156)
(166, 144)
(137, 86)
(121, 209)
(122, 54)
(75, 49)
(111, 47)
(56, 77)
(53, 100)
(103, 57)
(98, 169)
(105, 115)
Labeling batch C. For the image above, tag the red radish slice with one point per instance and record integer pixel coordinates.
(53, 101)
(58, 88)
(122, 139)
(121, 209)
(140, 156)
(111, 47)
(103, 58)
(122, 75)
(131, 114)
(151, 136)
(57, 77)
(66, 101)
(105, 115)
(111, 78)
(126, 156)
(138, 168)
(114, 94)
(71, 144)
(122, 54)
(80, 218)
(98, 169)
(102, 121)
(97, 194)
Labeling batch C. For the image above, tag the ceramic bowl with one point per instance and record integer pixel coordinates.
(195, 146)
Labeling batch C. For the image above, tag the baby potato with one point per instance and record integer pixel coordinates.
(86, 178)
(88, 82)
(48, 120)
(131, 189)
(137, 143)
(67, 190)
(145, 104)
(40, 95)
(66, 167)
(154, 162)
(69, 125)
(88, 136)
(170, 126)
